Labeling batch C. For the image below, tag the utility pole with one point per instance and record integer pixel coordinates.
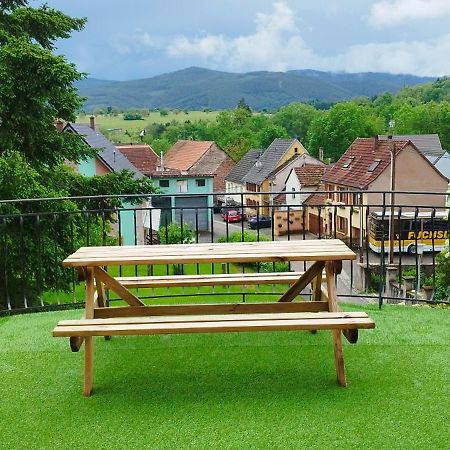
(391, 144)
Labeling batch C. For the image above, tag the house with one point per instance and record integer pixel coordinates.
(430, 146)
(192, 209)
(362, 172)
(108, 159)
(301, 181)
(196, 169)
(268, 173)
(141, 156)
(201, 158)
(234, 184)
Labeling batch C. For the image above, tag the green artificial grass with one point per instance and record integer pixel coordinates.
(247, 390)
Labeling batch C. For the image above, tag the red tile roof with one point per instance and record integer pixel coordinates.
(184, 154)
(141, 156)
(315, 199)
(310, 174)
(362, 155)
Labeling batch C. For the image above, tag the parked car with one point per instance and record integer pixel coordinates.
(225, 209)
(231, 215)
(256, 222)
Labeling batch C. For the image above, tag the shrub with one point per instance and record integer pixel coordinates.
(174, 234)
(442, 275)
(132, 116)
(246, 236)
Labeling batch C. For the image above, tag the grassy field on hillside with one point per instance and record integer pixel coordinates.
(111, 125)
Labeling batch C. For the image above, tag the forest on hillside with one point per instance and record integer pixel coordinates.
(422, 109)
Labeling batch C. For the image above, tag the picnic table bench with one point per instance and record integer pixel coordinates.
(321, 313)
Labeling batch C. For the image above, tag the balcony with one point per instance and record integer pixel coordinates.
(34, 243)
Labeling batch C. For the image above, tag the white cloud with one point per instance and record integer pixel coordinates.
(272, 46)
(417, 57)
(277, 45)
(388, 13)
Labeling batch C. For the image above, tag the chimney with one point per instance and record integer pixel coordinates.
(92, 122)
(321, 153)
(59, 125)
(375, 143)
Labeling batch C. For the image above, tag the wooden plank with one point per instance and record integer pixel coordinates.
(88, 366)
(90, 291)
(210, 279)
(116, 287)
(238, 246)
(214, 318)
(331, 286)
(217, 258)
(350, 335)
(193, 253)
(339, 357)
(303, 281)
(214, 327)
(220, 308)
(101, 293)
(330, 269)
(317, 288)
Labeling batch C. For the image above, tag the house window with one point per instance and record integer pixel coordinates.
(251, 187)
(200, 182)
(182, 186)
(348, 162)
(356, 198)
(293, 192)
(374, 165)
(342, 195)
(295, 150)
(330, 194)
(342, 225)
(164, 183)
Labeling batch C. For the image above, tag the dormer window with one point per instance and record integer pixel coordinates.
(374, 165)
(348, 162)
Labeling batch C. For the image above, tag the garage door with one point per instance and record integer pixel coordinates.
(314, 224)
(193, 211)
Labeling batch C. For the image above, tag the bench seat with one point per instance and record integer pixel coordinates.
(217, 279)
(213, 324)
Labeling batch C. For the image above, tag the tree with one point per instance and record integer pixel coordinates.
(295, 119)
(37, 88)
(243, 105)
(336, 129)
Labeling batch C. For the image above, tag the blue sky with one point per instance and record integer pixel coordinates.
(138, 38)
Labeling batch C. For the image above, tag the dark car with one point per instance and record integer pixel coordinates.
(256, 222)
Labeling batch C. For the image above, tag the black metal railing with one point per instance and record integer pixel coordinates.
(37, 234)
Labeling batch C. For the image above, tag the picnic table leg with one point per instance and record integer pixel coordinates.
(102, 301)
(337, 335)
(88, 365)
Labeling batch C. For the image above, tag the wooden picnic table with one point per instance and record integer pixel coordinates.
(137, 318)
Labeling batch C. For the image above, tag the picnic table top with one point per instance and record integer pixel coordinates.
(271, 251)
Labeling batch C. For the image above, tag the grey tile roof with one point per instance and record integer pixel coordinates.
(269, 160)
(430, 147)
(241, 169)
(428, 144)
(443, 164)
(108, 153)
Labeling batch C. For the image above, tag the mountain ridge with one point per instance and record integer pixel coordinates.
(199, 88)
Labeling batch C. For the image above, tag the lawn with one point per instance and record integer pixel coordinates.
(254, 390)
(134, 127)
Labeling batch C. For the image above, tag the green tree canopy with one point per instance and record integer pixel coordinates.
(336, 129)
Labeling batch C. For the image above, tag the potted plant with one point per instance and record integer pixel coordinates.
(427, 286)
